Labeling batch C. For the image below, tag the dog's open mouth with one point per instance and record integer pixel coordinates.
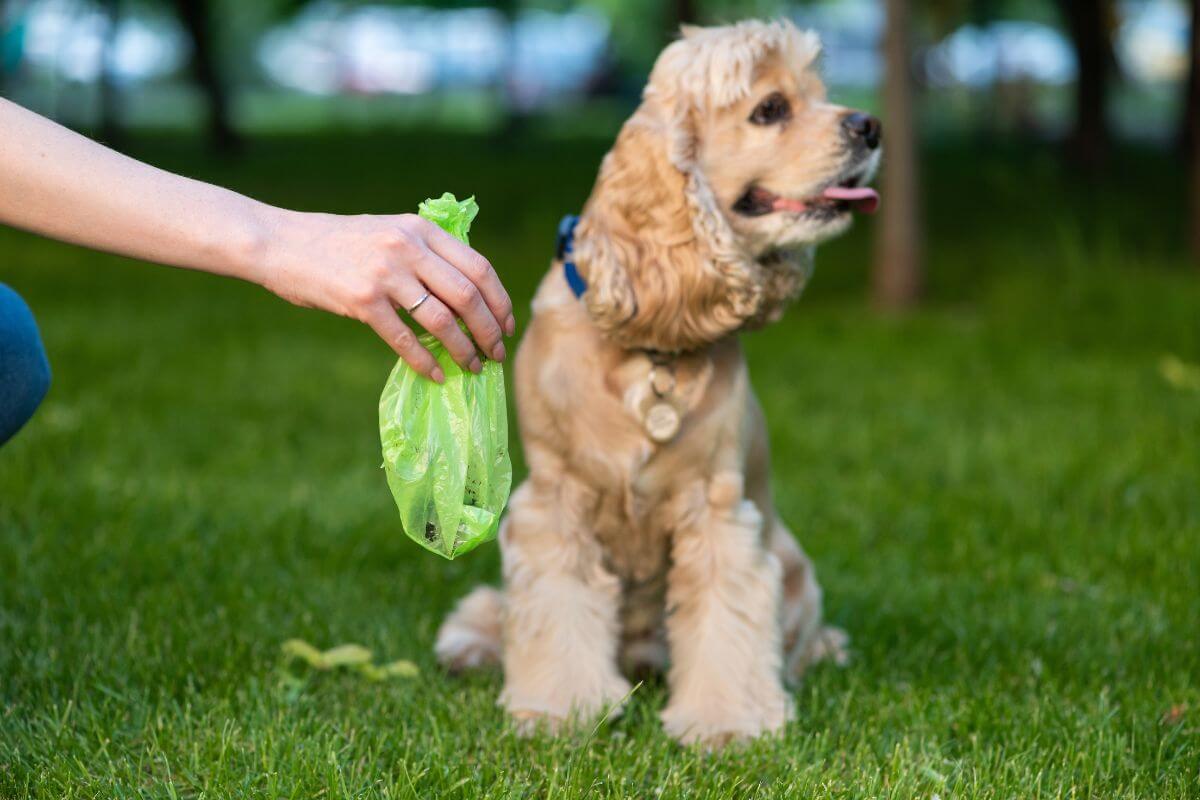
(842, 197)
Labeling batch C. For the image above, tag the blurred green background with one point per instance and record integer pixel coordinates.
(996, 467)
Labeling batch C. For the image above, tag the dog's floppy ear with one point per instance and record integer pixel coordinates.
(635, 236)
(645, 243)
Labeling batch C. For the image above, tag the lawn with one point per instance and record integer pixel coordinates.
(1001, 493)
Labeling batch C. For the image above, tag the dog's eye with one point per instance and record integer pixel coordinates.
(775, 108)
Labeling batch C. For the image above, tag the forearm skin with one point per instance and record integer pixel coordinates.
(65, 186)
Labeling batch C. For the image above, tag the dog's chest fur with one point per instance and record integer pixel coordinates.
(639, 507)
(636, 491)
(589, 416)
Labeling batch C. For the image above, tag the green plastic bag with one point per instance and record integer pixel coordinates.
(445, 447)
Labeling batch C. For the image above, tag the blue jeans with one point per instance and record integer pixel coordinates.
(24, 370)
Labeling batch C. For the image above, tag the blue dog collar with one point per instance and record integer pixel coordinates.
(563, 250)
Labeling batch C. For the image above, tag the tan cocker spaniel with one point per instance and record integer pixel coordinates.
(645, 534)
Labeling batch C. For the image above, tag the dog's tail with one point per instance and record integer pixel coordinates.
(470, 637)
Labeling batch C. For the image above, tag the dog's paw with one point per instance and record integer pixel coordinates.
(569, 709)
(528, 723)
(470, 637)
(712, 727)
(831, 644)
(461, 650)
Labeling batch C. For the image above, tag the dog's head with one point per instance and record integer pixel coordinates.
(706, 211)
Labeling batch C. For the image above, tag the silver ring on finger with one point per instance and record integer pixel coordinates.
(417, 304)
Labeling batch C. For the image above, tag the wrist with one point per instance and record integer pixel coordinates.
(256, 248)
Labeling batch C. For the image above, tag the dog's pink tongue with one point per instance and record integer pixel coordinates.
(863, 198)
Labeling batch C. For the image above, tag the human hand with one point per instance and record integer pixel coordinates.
(366, 267)
(65, 186)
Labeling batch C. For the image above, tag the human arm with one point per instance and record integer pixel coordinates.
(65, 186)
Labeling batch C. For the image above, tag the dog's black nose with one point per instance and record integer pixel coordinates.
(863, 126)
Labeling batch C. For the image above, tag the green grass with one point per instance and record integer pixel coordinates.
(1001, 494)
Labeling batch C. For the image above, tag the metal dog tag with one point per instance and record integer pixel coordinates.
(662, 422)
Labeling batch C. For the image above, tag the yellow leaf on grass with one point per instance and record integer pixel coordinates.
(298, 648)
(402, 668)
(1179, 373)
(349, 656)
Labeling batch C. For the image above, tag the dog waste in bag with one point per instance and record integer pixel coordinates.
(445, 447)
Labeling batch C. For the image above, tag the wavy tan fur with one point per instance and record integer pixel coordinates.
(622, 554)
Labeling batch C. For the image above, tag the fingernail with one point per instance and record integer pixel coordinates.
(476, 367)
(498, 351)
(510, 325)
(437, 375)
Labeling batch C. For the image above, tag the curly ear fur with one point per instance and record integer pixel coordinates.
(653, 279)
(664, 269)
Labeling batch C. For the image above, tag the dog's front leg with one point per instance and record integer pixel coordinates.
(723, 620)
(561, 624)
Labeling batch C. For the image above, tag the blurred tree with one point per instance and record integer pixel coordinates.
(1194, 223)
(1190, 124)
(896, 273)
(637, 30)
(515, 112)
(11, 41)
(1090, 29)
(682, 12)
(196, 16)
(642, 28)
(1191, 121)
(110, 97)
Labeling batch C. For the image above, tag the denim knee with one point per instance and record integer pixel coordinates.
(24, 369)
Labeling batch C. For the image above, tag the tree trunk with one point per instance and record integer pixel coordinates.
(14, 21)
(1088, 27)
(110, 99)
(516, 110)
(1194, 223)
(1191, 130)
(896, 274)
(680, 12)
(7, 16)
(196, 18)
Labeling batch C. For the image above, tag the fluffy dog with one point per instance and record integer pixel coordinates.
(645, 534)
